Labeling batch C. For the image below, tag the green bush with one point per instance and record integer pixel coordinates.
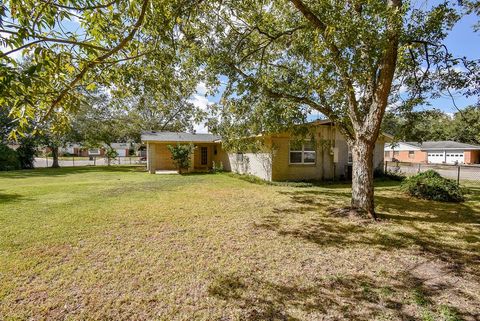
(217, 168)
(181, 155)
(8, 159)
(110, 154)
(432, 186)
(26, 153)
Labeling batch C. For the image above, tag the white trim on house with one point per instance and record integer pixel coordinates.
(400, 146)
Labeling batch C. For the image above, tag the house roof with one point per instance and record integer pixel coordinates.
(179, 137)
(120, 145)
(443, 144)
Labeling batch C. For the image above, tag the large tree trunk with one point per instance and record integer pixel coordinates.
(55, 157)
(362, 177)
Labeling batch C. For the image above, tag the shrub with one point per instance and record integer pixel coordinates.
(181, 155)
(8, 158)
(217, 168)
(26, 153)
(110, 154)
(432, 186)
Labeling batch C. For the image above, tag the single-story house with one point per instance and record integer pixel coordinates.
(323, 156)
(435, 152)
(122, 149)
(79, 150)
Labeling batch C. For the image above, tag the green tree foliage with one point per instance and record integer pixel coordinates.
(344, 59)
(64, 63)
(8, 158)
(110, 154)
(281, 60)
(181, 155)
(463, 126)
(26, 153)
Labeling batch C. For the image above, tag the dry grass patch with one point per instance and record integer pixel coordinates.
(116, 243)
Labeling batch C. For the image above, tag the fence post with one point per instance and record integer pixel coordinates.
(46, 158)
(458, 174)
(418, 167)
(94, 160)
(130, 160)
(73, 159)
(386, 167)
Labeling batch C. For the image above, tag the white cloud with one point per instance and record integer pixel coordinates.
(203, 103)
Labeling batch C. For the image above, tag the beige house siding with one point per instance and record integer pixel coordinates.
(221, 156)
(378, 154)
(329, 142)
(159, 157)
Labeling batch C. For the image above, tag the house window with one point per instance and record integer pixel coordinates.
(349, 156)
(411, 154)
(239, 157)
(302, 152)
(387, 154)
(396, 153)
(204, 155)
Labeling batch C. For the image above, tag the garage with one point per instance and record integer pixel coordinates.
(436, 156)
(121, 152)
(446, 156)
(455, 157)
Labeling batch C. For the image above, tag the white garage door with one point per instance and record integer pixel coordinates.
(122, 152)
(455, 157)
(436, 157)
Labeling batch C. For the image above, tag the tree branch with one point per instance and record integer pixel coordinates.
(347, 82)
(99, 6)
(98, 60)
(47, 39)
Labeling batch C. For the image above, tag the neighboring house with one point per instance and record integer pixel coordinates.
(283, 158)
(72, 149)
(435, 152)
(122, 149)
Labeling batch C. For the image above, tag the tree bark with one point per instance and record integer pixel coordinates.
(55, 157)
(362, 177)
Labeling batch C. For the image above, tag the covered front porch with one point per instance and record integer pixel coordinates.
(207, 151)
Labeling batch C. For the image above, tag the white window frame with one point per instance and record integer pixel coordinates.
(302, 153)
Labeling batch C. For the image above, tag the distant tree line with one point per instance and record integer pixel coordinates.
(463, 126)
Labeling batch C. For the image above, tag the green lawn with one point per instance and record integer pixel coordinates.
(117, 243)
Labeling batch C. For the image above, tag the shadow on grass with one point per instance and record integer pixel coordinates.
(352, 297)
(446, 231)
(9, 198)
(331, 184)
(46, 172)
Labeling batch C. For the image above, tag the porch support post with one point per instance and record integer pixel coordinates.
(151, 158)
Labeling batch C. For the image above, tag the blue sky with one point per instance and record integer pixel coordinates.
(462, 41)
